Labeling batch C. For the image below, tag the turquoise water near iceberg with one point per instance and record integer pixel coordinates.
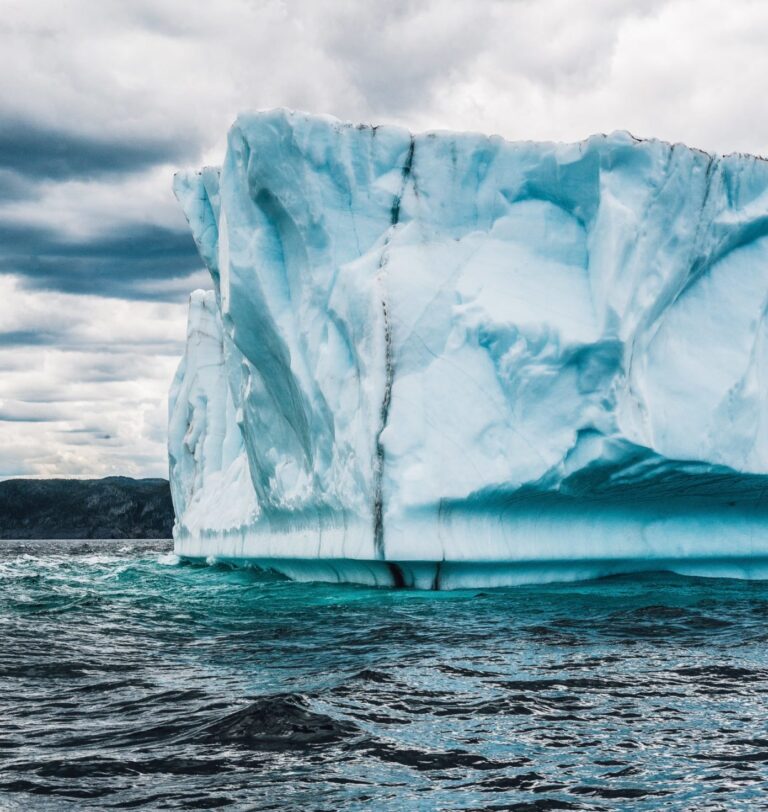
(133, 681)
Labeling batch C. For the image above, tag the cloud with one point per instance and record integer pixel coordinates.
(119, 264)
(89, 397)
(45, 152)
(398, 55)
(10, 417)
(71, 323)
(28, 338)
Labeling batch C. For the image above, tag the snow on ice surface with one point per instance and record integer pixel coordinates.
(522, 360)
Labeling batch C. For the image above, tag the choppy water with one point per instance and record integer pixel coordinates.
(129, 681)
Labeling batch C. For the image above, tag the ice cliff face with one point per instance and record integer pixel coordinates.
(523, 360)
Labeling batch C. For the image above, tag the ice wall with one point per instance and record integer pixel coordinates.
(513, 358)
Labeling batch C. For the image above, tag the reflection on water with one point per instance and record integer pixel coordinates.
(131, 681)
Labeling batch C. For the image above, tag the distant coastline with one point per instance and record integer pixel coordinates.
(114, 507)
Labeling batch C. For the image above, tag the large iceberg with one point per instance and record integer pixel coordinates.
(447, 359)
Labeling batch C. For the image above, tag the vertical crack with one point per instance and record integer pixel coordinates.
(406, 174)
(378, 496)
(398, 580)
(389, 370)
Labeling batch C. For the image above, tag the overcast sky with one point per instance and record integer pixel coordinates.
(101, 100)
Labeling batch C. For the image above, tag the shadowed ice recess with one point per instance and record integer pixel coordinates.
(449, 360)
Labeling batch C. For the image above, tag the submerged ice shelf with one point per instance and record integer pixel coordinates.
(452, 360)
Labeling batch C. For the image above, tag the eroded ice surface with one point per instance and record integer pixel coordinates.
(524, 360)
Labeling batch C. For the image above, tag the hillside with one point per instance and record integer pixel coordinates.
(113, 507)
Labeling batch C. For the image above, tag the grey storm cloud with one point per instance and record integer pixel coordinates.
(6, 417)
(15, 186)
(118, 264)
(29, 338)
(30, 413)
(47, 153)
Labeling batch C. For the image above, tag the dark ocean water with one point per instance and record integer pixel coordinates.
(130, 681)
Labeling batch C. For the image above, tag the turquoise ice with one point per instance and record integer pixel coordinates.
(449, 359)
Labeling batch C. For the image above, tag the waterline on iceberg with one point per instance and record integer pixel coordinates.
(450, 575)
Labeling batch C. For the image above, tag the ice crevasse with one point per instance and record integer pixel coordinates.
(451, 360)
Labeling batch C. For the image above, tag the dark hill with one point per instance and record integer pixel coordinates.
(112, 508)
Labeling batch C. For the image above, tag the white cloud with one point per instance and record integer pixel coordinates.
(94, 207)
(91, 402)
(165, 68)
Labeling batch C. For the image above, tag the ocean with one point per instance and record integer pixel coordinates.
(131, 680)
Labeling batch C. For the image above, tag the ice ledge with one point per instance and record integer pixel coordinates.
(529, 542)
(452, 575)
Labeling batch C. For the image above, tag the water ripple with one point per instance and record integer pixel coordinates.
(132, 680)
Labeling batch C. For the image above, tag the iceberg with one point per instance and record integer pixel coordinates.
(448, 360)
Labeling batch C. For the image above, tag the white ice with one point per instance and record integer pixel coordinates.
(452, 360)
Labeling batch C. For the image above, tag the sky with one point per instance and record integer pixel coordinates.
(102, 100)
